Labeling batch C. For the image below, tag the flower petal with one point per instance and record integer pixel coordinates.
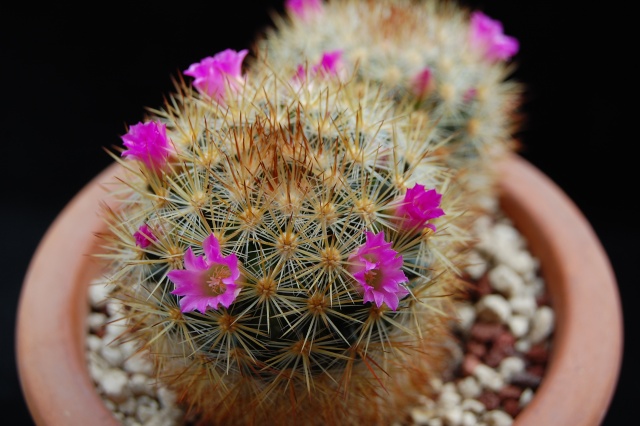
(391, 299)
(187, 282)
(193, 262)
(189, 304)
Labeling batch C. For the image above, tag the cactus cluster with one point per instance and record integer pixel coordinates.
(288, 237)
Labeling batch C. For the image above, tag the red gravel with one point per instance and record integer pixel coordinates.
(489, 343)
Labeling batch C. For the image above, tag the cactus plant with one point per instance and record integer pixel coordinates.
(288, 241)
(452, 63)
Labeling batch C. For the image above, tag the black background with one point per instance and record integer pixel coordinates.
(70, 80)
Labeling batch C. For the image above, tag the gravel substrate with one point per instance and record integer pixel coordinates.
(504, 337)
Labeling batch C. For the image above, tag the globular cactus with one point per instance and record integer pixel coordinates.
(453, 64)
(287, 242)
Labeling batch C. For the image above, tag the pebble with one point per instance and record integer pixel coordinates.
(473, 406)
(138, 363)
(140, 384)
(477, 265)
(526, 397)
(498, 418)
(98, 292)
(494, 308)
(147, 408)
(518, 325)
(449, 397)
(511, 365)
(506, 281)
(453, 416)
(469, 387)
(114, 384)
(541, 324)
(421, 416)
(524, 304)
(468, 419)
(511, 407)
(488, 377)
(489, 399)
(112, 354)
(522, 262)
(467, 316)
(96, 320)
(485, 331)
(94, 343)
(505, 328)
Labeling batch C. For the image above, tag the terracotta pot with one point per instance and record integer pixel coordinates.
(577, 387)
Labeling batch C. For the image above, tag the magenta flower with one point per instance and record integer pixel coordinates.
(148, 143)
(486, 33)
(422, 83)
(378, 269)
(419, 206)
(207, 281)
(304, 9)
(329, 65)
(213, 73)
(144, 236)
(301, 73)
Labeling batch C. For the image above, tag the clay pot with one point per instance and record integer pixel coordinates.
(582, 370)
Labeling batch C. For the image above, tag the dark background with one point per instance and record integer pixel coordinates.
(70, 80)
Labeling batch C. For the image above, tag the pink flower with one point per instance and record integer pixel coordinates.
(419, 206)
(329, 65)
(304, 9)
(213, 73)
(301, 73)
(144, 236)
(208, 280)
(423, 82)
(148, 143)
(378, 269)
(487, 34)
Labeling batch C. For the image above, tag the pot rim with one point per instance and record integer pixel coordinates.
(586, 355)
(577, 387)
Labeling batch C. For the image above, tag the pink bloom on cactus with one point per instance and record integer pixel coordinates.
(213, 73)
(419, 206)
(304, 9)
(207, 281)
(423, 82)
(301, 73)
(330, 64)
(148, 143)
(487, 34)
(378, 269)
(144, 236)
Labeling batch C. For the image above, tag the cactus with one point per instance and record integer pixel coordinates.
(287, 242)
(452, 63)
